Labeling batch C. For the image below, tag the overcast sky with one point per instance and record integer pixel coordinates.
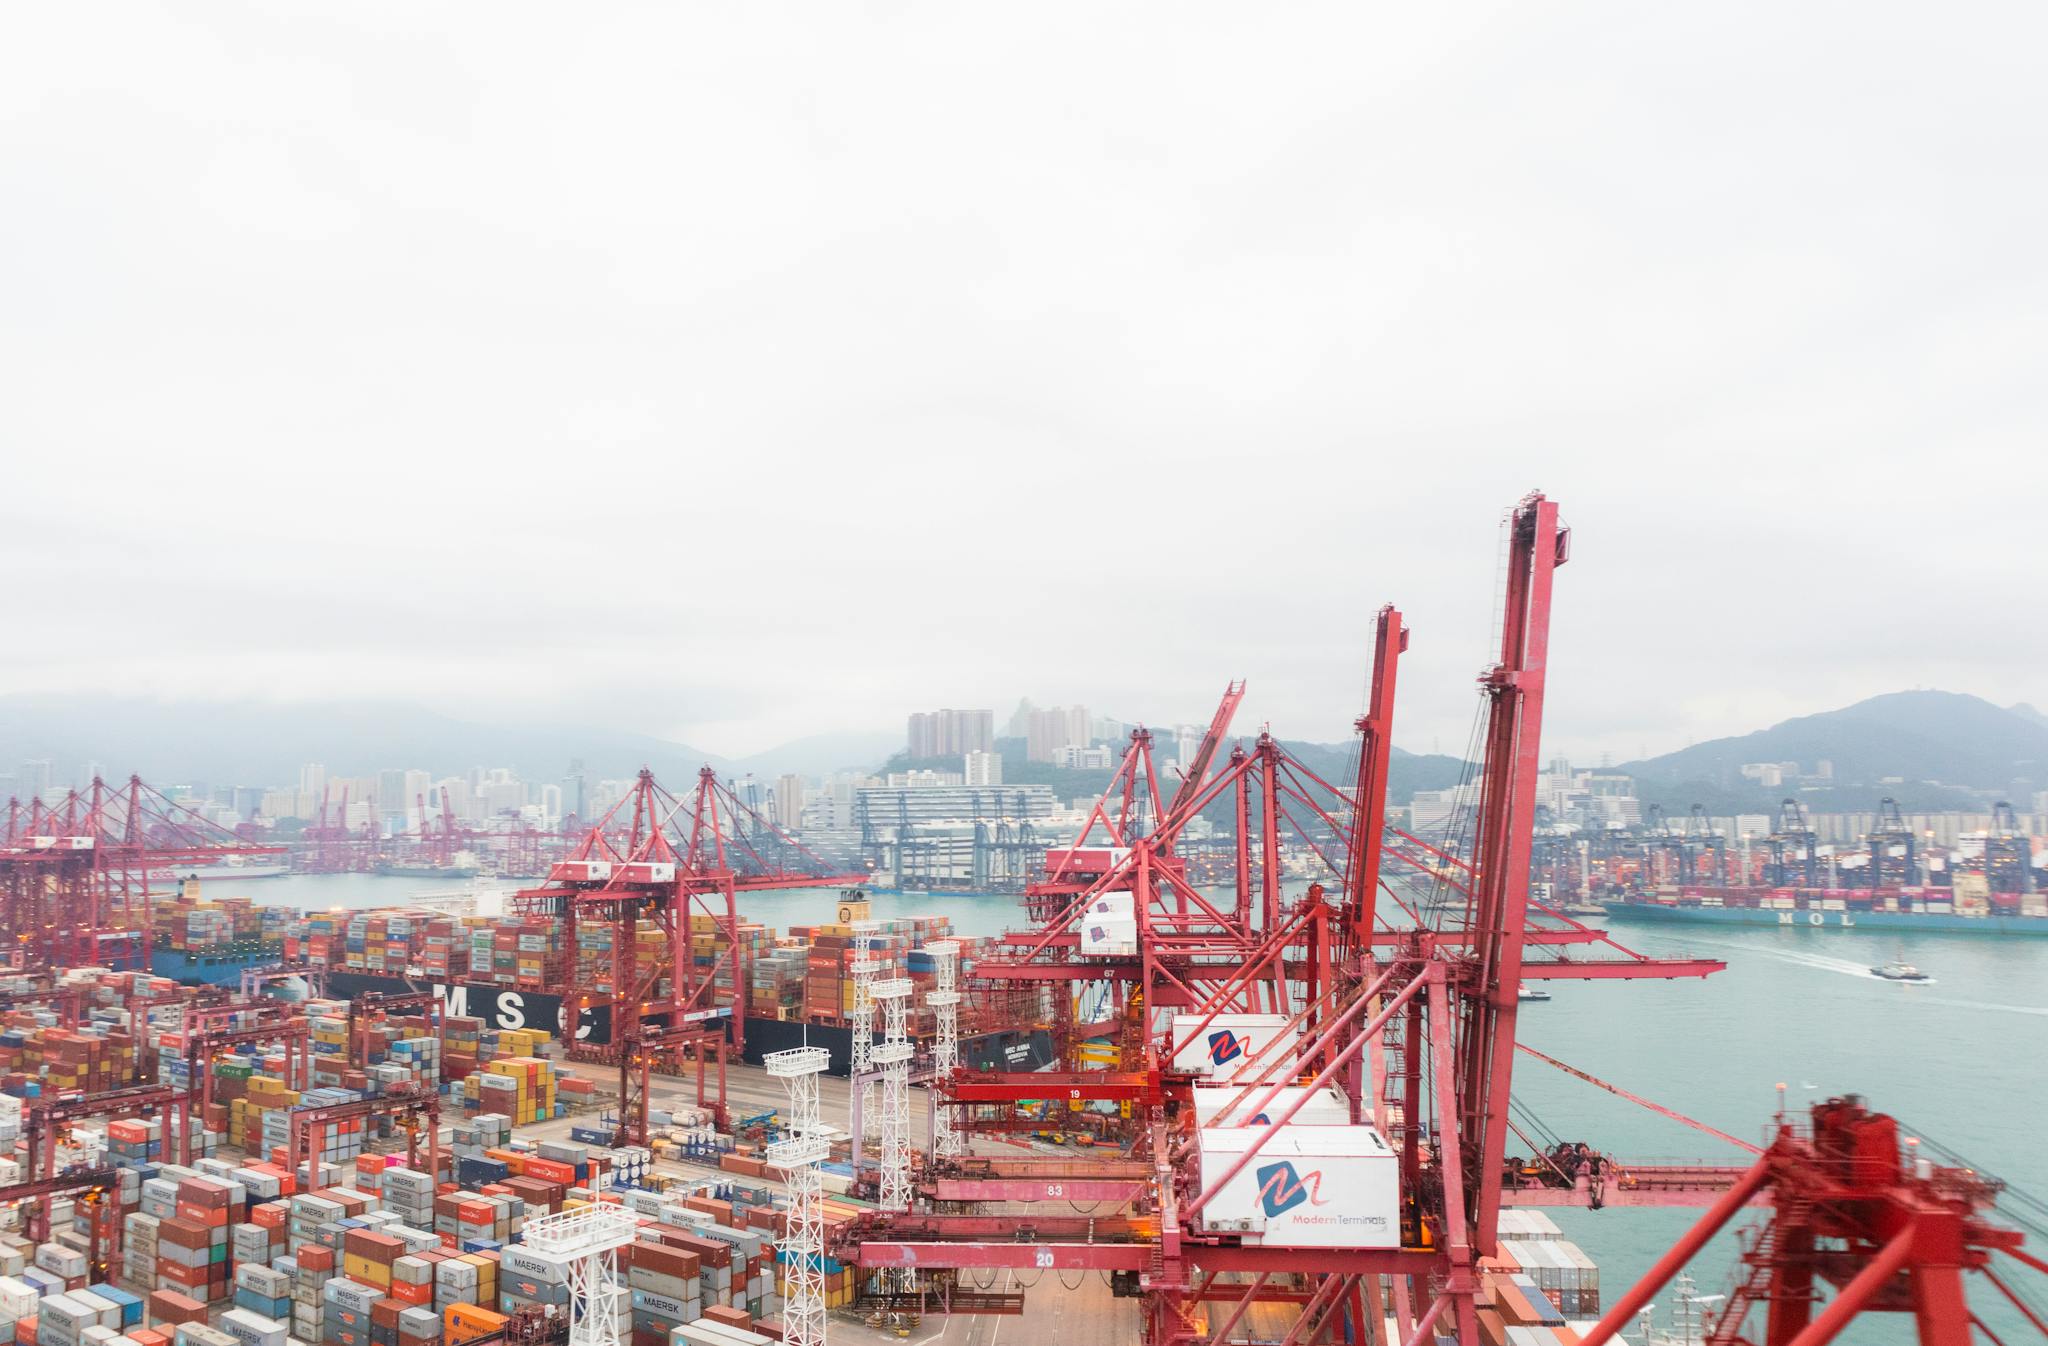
(737, 372)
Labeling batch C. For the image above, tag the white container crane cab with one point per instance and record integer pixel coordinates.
(1325, 1107)
(1307, 1187)
(1219, 1047)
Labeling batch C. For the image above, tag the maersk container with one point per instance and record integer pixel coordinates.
(1221, 1046)
(1325, 1107)
(1306, 1187)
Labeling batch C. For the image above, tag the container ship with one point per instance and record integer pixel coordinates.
(229, 869)
(509, 970)
(1965, 908)
(392, 870)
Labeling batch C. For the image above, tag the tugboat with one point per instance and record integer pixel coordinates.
(1899, 971)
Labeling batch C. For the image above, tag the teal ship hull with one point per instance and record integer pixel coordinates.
(1875, 922)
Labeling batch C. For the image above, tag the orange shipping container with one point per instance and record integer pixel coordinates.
(467, 1322)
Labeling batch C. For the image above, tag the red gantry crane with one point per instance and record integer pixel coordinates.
(665, 865)
(1318, 1091)
(92, 866)
(1239, 1014)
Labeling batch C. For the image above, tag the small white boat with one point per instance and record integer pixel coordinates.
(1898, 971)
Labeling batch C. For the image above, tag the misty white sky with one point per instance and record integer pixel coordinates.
(736, 372)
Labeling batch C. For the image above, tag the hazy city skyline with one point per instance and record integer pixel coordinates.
(569, 369)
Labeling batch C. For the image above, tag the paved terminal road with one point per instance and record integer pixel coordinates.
(1054, 1315)
(748, 1090)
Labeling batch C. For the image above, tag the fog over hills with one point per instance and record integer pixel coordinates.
(261, 743)
(1942, 741)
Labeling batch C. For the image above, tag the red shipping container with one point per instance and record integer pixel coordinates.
(168, 1306)
(208, 1216)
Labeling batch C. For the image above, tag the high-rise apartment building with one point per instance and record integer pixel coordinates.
(576, 789)
(1108, 729)
(1019, 723)
(789, 802)
(1055, 728)
(948, 733)
(982, 768)
(33, 780)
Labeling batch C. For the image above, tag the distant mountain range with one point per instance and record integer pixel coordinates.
(265, 743)
(1943, 747)
(1407, 771)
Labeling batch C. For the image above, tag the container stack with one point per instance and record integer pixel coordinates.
(519, 1087)
(461, 1044)
(192, 1245)
(345, 1312)
(525, 1281)
(309, 1269)
(341, 1140)
(478, 1222)
(776, 982)
(711, 946)
(466, 1279)
(595, 941)
(517, 952)
(666, 1285)
(328, 1024)
(409, 1194)
(233, 927)
(320, 939)
(263, 1290)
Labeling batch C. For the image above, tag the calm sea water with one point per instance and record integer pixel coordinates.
(1963, 1061)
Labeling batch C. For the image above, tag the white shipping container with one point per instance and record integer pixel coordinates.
(1307, 1187)
(1325, 1107)
(1108, 936)
(1227, 1043)
(1116, 903)
(705, 1332)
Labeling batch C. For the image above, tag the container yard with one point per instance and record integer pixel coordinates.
(1217, 1106)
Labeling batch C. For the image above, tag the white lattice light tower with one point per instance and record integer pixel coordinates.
(800, 1151)
(892, 1054)
(584, 1243)
(866, 1121)
(944, 999)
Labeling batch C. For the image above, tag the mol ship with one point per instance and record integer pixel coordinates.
(1957, 910)
(509, 970)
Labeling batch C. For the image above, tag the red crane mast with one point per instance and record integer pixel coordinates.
(1413, 1024)
(659, 862)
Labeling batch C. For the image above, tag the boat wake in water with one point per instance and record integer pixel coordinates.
(1846, 968)
(1841, 966)
(1988, 1005)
